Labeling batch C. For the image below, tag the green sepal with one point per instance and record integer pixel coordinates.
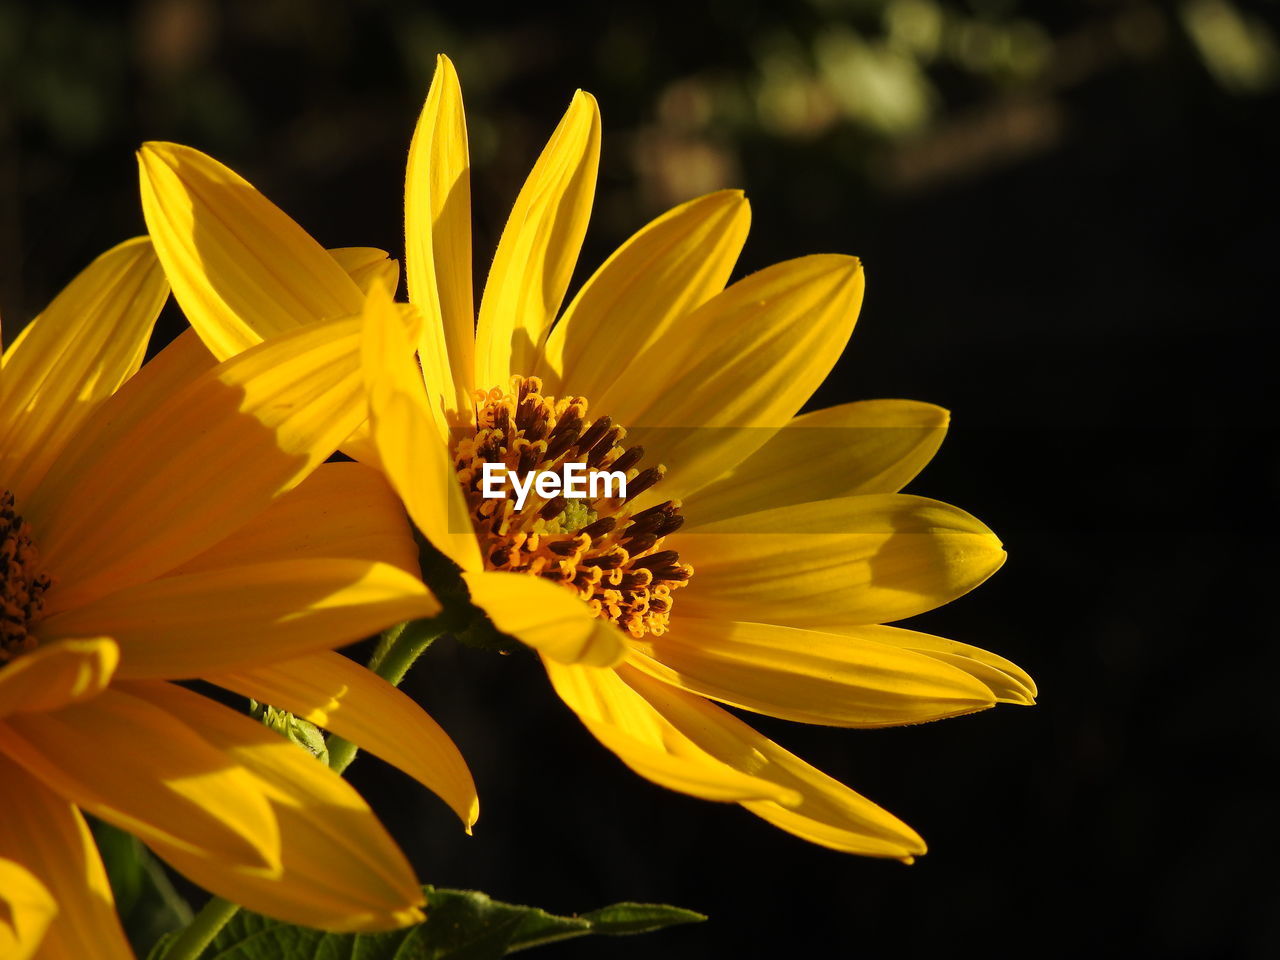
(460, 925)
(460, 617)
(481, 634)
(302, 732)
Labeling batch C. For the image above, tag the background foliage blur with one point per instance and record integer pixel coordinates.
(1068, 217)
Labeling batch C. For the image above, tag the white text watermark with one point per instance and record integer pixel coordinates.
(575, 482)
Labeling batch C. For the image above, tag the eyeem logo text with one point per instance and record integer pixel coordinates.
(576, 482)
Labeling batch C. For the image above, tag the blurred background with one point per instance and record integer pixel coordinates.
(1068, 218)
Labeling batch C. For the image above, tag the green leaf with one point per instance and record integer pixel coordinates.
(147, 902)
(626, 918)
(460, 925)
(469, 924)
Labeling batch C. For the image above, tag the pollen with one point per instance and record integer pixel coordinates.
(612, 556)
(22, 585)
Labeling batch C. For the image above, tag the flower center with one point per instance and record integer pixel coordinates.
(22, 586)
(597, 546)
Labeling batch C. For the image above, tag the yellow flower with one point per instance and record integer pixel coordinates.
(176, 522)
(759, 553)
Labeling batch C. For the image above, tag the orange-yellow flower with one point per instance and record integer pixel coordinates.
(177, 522)
(759, 554)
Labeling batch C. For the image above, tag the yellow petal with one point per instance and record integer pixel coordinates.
(411, 447)
(808, 676)
(228, 618)
(86, 343)
(1007, 681)
(134, 765)
(342, 510)
(197, 466)
(400, 349)
(437, 227)
(625, 723)
(539, 247)
(367, 265)
(873, 446)
(240, 268)
(829, 813)
(641, 293)
(56, 674)
(852, 560)
(740, 367)
(339, 869)
(47, 838)
(26, 910)
(171, 371)
(336, 693)
(546, 617)
(360, 446)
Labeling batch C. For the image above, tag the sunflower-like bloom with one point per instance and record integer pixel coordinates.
(176, 522)
(757, 555)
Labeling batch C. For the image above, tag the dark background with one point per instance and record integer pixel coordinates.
(1067, 213)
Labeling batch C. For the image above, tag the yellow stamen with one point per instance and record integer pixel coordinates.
(610, 556)
(22, 586)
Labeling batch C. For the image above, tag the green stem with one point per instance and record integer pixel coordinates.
(385, 643)
(199, 933)
(399, 647)
(396, 652)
